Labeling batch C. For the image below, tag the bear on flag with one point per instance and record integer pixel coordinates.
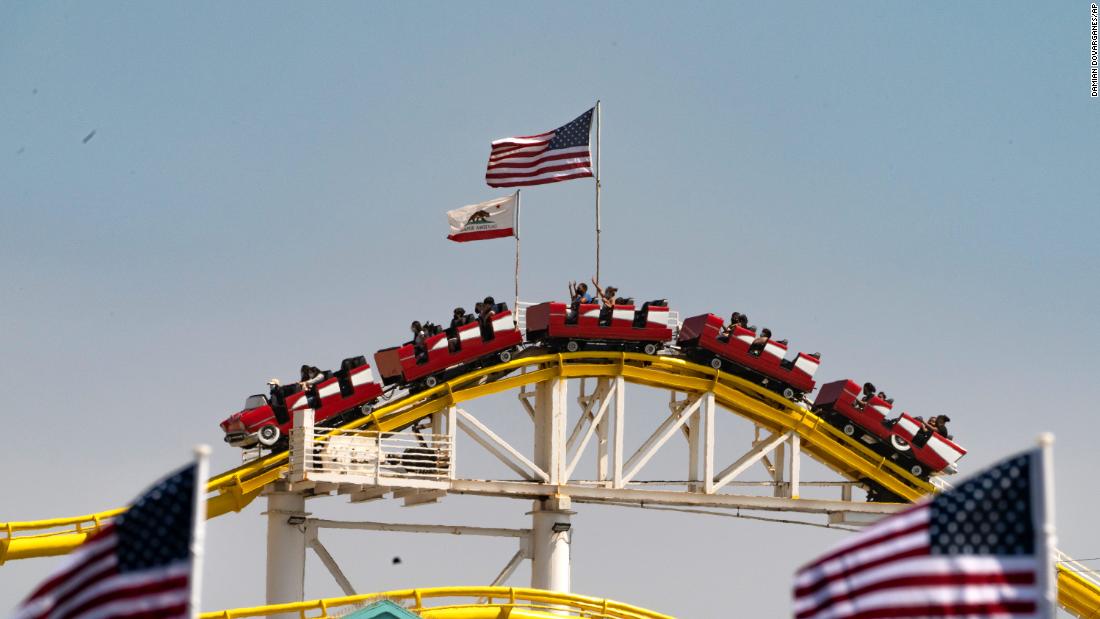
(488, 220)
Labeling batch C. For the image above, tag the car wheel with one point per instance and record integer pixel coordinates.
(716, 363)
(505, 356)
(430, 381)
(849, 429)
(269, 435)
(899, 443)
(650, 349)
(788, 393)
(917, 470)
(572, 346)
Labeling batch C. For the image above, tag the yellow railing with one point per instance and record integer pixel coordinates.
(458, 603)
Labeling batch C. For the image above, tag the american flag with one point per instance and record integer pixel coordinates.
(976, 551)
(550, 157)
(137, 567)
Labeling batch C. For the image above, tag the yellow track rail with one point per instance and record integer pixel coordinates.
(236, 488)
(459, 603)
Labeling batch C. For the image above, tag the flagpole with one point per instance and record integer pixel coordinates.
(597, 190)
(1043, 478)
(515, 308)
(198, 525)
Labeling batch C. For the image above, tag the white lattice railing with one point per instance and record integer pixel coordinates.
(371, 457)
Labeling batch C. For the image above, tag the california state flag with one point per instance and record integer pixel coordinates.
(489, 220)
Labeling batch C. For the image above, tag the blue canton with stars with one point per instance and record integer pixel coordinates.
(156, 530)
(990, 514)
(574, 133)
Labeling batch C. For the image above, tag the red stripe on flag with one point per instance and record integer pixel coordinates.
(553, 179)
(481, 235)
(924, 580)
(553, 168)
(134, 592)
(948, 610)
(553, 156)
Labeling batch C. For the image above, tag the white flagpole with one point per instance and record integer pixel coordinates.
(198, 525)
(1045, 541)
(515, 308)
(597, 190)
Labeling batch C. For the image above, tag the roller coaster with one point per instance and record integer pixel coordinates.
(785, 428)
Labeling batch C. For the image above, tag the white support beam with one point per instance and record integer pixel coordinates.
(598, 419)
(603, 462)
(550, 553)
(446, 529)
(333, 568)
(634, 496)
(550, 427)
(659, 437)
(708, 442)
(778, 470)
(499, 447)
(794, 464)
(599, 394)
(286, 548)
(620, 422)
(509, 569)
(693, 429)
(750, 458)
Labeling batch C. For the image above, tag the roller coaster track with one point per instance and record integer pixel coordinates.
(232, 490)
(460, 603)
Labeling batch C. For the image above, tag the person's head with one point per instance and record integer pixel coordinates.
(488, 303)
(304, 372)
(414, 327)
(744, 320)
(941, 420)
(868, 389)
(582, 288)
(477, 307)
(735, 318)
(459, 312)
(881, 395)
(611, 292)
(766, 332)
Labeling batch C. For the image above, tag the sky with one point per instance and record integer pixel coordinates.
(909, 189)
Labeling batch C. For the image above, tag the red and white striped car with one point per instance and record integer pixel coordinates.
(700, 338)
(904, 439)
(266, 419)
(644, 329)
(399, 365)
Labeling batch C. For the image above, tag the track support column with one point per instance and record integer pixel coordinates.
(286, 546)
(551, 536)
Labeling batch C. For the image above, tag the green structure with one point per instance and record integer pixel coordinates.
(382, 610)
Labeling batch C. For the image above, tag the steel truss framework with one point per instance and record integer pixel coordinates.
(546, 470)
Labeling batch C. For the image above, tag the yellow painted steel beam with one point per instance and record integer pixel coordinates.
(1077, 594)
(459, 603)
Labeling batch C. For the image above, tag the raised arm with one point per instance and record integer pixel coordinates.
(599, 291)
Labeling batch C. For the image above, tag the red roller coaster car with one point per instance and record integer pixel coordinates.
(645, 329)
(905, 439)
(399, 365)
(699, 336)
(266, 419)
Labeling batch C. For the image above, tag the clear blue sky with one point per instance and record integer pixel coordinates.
(910, 189)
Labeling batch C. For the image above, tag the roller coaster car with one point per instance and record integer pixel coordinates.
(266, 419)
(838, 402)
(700, 337)
(645, 329)
(932, 451)
(399, 365)
(904, 439)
